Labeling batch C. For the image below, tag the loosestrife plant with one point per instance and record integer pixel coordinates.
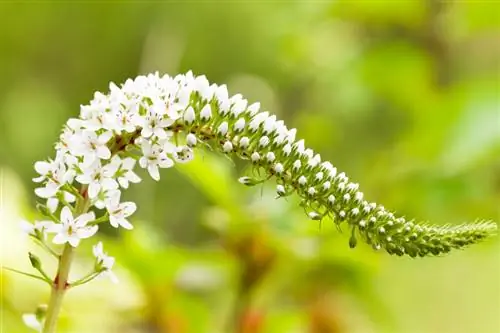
(158, 121)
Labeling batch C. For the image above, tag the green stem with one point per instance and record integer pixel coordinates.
(60, 284)
(58, 290)
(89, 277)
(47, 280)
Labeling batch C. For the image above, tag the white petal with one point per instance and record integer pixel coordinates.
(52, 204)
(103, 152)
(45, 192)
(27, 227)
(143, 162)
(128, 208)
(87, 232)
(60, 238)
(126, 224)
(66, 215)
(94, 189)
(97, 250)
(123, 182)
(73, 241)
(132, 177)
(189, 115)
(43, 167)
(114, 221)
(104, 137)
(146, 132)
(153, 171)
(128, 163)
(83, 219)
(109, 184)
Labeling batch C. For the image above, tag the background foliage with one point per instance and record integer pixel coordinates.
(401, 95)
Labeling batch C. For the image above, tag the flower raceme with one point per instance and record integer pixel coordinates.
(159, 120)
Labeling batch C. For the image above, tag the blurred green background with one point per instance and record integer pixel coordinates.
(401, 95)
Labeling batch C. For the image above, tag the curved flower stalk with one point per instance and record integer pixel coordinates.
(158, 121)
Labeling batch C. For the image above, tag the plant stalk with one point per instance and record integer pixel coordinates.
(60, 284)
(58, 290)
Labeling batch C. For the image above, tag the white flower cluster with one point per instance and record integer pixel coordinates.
(157, 121)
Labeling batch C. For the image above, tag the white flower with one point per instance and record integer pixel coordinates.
(72, 230)
(280, 189)
(227, 147)
(91, 146)
(222, 129)
(191, 140)
(32, 322)
(154, 157)
(122, 170)
(53, 202)
(239, 125)
(244, 142)
(124, 120)
(255, 156)
(103, 197)
(189, 115)
(118, 212)
(37, 229)
(98, 178)
(56, 175)
(154, 124)
(183, 154)
(104, 263)
(264, 141)
(206, 112)
(254, 108)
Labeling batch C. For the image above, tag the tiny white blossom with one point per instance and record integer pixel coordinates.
(104, 263)
(269, 124)
(124, 171)
(263, 141)
(154, 124)
(183, 154)
(270, 156)
(189, 115)
(326, 185)
(222, 129)
(253, 108)
(98, 178)
(280, 189)
(72, 230)
(206, 113)
(244, 142)
(287, 149)
(278, 168)
(239, 125)
(302, 180)
(37, 229)
(227, 147)
(153, 158)
(119, 211)
(314, 216)
(91, 146)
(296, 165)
(255, 157)
(331, 199)
(191, 140)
